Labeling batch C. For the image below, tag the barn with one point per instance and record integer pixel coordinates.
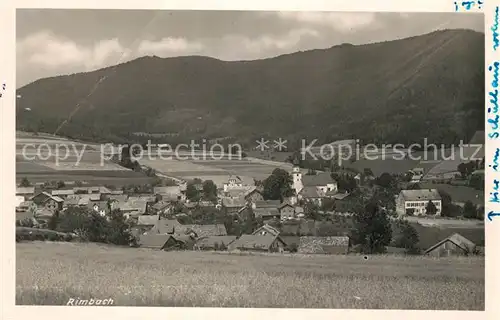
(454, 245)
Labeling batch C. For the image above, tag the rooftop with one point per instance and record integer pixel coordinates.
(318, 179)
(25, 190)
(248, 241)
(420, 195)
(458, 240)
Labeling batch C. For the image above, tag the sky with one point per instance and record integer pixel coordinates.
(51, 42)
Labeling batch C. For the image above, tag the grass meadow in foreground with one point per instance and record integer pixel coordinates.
(51, 273)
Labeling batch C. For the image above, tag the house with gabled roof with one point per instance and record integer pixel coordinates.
(454, 245)
(144, 220)
(170, 193)
(415, 202)
(287, 211)
(130, 208)
(253, 195)
(312, 194)
(202, 230)
(265, 230)
(165, 226)
(233, 205)
(63, 193)
(214, 242)
(259, 243)
(161, 207)
(158, 241)
(26, 192)
(48, 201)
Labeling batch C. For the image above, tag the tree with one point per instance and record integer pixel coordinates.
(372, 230)
(477, 182)
(345, 182)
(430, 208)
(405, 236)
(25, 182)
(209, 191)
(192, 192)
(470, 210)
(328, 204)
(385, 199)
(53, 221)
(462, 169)
(368, 172)
(466, 169)
(311, 210)
(248, 222)
(278, 185)
(385, 180)
(413, 186)
(60, 184)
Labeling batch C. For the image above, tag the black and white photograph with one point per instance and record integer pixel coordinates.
(250, 159)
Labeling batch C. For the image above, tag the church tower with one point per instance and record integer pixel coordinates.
(297, 179)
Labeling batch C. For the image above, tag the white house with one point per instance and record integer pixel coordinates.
(415, 201)
(234, 183)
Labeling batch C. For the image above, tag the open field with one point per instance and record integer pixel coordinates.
(51, 273)
(218, 170)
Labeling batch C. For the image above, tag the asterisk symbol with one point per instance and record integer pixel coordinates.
(280, 144)
(262, 144)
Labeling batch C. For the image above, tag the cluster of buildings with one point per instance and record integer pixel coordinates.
(164, 234)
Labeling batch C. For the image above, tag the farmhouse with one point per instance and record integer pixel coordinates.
(324, 245)
(287, 211)
(158, 241)
(233, 183)
(233, 205)
(254, 195)
(262, 243)
(202, 230)
(26, 192)
(170, 193)
(265, 230)
(63, 193)
(162, 207)
(312, 194)
(48, 201)
(214, 242)
(456, 244)
(266, 209)
(165, 226)
(130, 208)
(414, 202)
